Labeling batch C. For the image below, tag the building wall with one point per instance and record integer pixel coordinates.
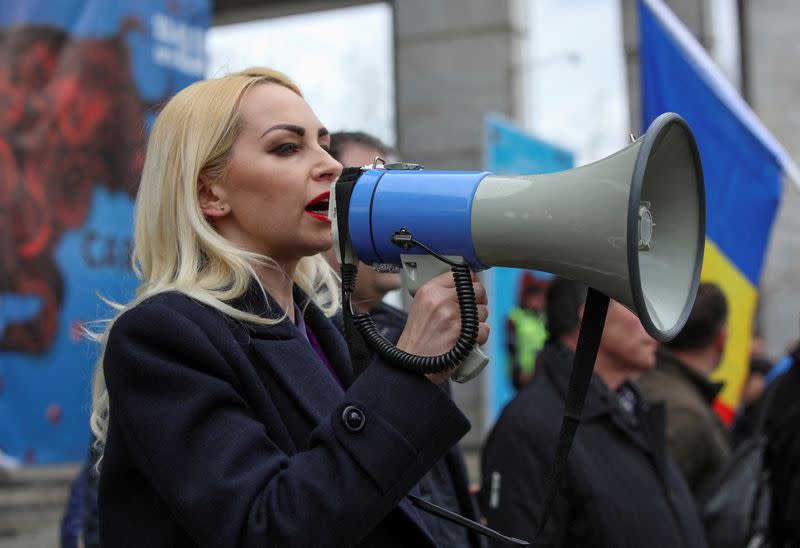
(772, 52)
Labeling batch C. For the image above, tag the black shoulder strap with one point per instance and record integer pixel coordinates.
(594, 317)
(458, 519)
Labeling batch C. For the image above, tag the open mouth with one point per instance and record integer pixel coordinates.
(318, 207)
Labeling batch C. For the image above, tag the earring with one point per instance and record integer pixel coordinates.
(222, 208)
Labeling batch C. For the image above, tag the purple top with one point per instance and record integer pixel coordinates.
(311, 338)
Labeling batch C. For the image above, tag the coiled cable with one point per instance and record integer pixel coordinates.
(395, 357)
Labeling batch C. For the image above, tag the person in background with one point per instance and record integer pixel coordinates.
(783, 454)
(447, 483)
(620, 486)
(752, 395)
(696, 436)
(525, 329)
(225, 399)
(72, 519)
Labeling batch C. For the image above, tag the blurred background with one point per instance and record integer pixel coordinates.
(448, 82)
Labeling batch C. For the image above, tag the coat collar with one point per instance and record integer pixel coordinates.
(672, 366)
(293, 361)
(556, 362)
(602, 402)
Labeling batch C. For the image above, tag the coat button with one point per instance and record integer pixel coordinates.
(353, 418)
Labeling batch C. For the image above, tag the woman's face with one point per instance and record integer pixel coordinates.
(274, 199)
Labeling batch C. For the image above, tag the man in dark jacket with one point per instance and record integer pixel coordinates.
(783, 456)
(696, 436)
(620, 487)
(447, 482)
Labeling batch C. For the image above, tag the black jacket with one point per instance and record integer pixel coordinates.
(620, 488)
(447, 483)
(229, 435)
(783, 457)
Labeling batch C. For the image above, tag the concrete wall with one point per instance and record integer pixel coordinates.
(772, 51)
(455, 61)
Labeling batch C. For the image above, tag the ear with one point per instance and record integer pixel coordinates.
(210, 198)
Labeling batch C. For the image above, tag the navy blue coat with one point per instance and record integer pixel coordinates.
(620, 489)
(223, 434)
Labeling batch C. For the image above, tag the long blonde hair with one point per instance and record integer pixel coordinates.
(175, 247)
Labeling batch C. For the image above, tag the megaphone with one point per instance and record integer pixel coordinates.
(631, 225)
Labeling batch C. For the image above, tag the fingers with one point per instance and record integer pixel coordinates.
(483, 333)
(440, 290)
(445, 279)
(483, 312)
(434, 322)
(480, 293)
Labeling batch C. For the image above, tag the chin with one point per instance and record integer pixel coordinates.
(317, 245)
(323, 248)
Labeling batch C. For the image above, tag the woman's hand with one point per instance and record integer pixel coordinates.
(434, 322)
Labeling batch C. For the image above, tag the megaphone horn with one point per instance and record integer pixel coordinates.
(631, 225)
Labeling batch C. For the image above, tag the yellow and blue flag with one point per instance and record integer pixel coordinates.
(743, 167)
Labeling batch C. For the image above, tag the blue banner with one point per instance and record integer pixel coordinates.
(80, 81)
(510, 151)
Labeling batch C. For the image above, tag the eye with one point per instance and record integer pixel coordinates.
(285, 149)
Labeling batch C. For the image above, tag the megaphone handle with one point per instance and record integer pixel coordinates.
(417, 271)
(471, 366)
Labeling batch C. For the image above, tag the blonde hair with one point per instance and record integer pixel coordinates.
(175, 247)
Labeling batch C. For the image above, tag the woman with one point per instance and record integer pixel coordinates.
(234, 417)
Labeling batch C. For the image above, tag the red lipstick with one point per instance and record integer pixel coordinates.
(318, 207)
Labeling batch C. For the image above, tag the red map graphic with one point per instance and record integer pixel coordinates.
(70, 118)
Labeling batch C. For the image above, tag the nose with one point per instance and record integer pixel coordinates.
(328, 168)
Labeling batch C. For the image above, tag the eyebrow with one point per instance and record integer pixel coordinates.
(300, 131)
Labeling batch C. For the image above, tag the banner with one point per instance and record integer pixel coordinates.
(742, 164)
(80, 81)
(510, 151)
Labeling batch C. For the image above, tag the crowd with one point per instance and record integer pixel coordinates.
(227, 411)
